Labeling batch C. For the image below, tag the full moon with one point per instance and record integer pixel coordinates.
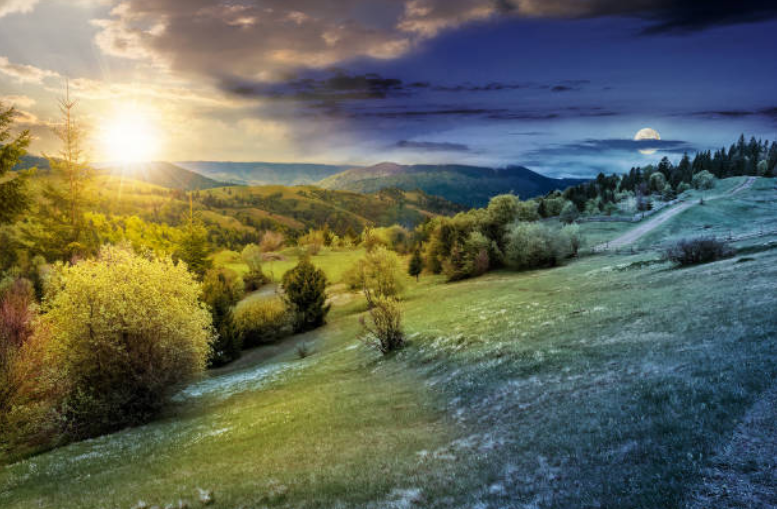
(647, 134)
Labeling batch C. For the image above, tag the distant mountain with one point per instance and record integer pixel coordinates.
(164, 175)
(468, 185)
(31, 161)
(263, 174)
(158, 173)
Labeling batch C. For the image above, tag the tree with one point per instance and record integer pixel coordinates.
(221, 290)
(125, 329)
(416, 265)
(13, 185)
(569, 213)
(703, 180)
(255, 278)
(193, 247)
(304, 289)
(67, 197)
(657, 182)
(380, 271)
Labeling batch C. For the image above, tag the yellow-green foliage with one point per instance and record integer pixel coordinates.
(141, 234)
(262, 321)
(380, 272)
(124, 328)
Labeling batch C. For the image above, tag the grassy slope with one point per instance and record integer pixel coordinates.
(608, 382)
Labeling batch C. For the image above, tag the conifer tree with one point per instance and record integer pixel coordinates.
(304, 289)
(13, 185)
(416, 265)
(67, 196)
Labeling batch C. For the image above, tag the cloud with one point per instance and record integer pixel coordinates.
(25, 73)
(16, 6)
(19, 101)
(431, 146)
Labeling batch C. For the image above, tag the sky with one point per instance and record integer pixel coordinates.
(559, 86)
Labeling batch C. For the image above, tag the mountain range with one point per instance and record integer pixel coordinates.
(472, 186)
(263, 174)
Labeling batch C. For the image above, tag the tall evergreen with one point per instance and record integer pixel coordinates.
(13, 185)
(304, 289)
(67, 196)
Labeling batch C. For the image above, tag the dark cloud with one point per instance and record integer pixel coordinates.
(431, 146)
(496, 114)
(338, 85)
(768, 113)
(265, 40)
(591, 147)
(662, 15)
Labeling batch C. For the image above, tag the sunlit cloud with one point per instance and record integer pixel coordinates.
(25, 73)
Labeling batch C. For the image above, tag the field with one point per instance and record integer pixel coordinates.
(613, 381)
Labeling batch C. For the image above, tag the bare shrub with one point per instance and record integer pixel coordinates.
(272, 241)
(383, 329)
(701, 250)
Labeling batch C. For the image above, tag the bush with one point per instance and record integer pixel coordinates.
(383, 330)
(683, 187)
(272, 241)
(312, 242)
(569, 213)
(571, 235)
(262, 321)
(304, 289)
(128, 328)
(701, 250)
(17, 305)
(532, 245)
(17, 312)
(253, 281)
(703, 180)
(380, 272)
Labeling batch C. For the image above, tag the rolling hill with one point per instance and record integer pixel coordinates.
(262, 174)
(165, 175)
(158, 173)
(468, 185)
(239, 214)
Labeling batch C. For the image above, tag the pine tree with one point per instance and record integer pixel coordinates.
(416, 265)
(13, 186)
(67, 197)
(304, 289)
(193, 246)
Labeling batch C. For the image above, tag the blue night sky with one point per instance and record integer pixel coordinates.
(560, 86)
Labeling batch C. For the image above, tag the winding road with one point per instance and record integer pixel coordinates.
(651, 224)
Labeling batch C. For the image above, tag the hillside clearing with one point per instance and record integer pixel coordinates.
(614, 381)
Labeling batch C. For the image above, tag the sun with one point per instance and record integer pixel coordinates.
(130, 136)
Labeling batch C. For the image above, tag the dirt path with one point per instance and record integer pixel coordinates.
(651, 224)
